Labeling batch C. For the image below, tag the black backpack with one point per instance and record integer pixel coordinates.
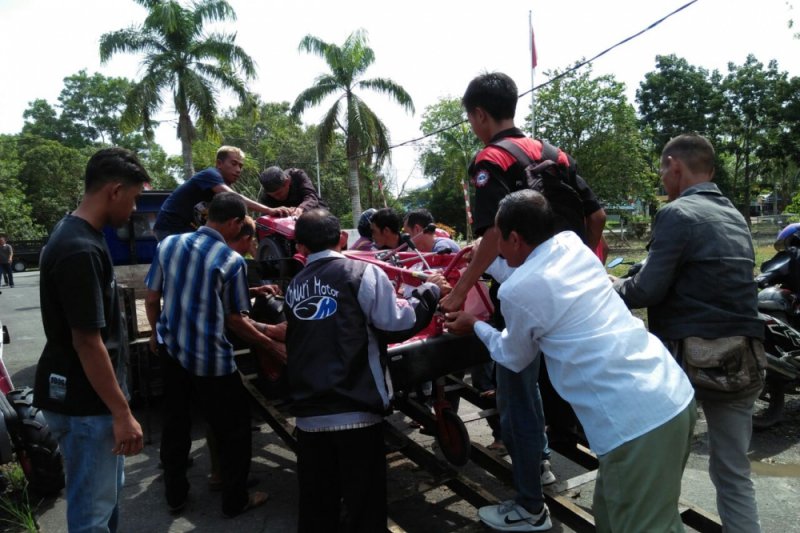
(557, 183)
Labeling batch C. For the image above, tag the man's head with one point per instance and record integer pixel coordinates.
(243, 242)
(114, 179)
(317, 230)
(417, 224)
(525, 221)
(2, 240)
(230, 161)
(226, 214)
(490, 99)
(686, 161)
(276, 183)
(385, 225)
(364, 228)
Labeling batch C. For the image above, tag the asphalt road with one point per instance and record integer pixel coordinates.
(775, 458)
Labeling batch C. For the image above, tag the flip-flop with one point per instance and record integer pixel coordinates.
(255, 499)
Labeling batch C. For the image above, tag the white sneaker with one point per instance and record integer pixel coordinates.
(510, 516)
(548, 477)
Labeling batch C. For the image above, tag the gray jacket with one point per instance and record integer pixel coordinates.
(698, 278)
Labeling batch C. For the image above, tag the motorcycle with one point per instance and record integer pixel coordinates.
(779, 306)
(25, 436)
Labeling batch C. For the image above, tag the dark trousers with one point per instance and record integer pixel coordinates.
(8, 274)
(225, 406)
(336, 468)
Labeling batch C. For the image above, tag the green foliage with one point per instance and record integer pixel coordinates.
(51, 176)
(590, 118)
(181, 58)
(15, 509)
(15, 211)
(362, 128)
(445, 159)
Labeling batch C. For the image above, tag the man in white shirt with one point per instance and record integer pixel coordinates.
(634, 402)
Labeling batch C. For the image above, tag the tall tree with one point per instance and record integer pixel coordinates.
(591, 119)
(180, 57)
(678, 98)
(445, 159)
(16, 213)
(363, 130)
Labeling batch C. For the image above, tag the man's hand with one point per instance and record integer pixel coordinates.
(452, 302)
(459, 323)
(128, 436)
(613, 279)
(266, 290)
(440, 281)
(280, 212)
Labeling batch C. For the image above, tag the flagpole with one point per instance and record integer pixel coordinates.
(533, 71)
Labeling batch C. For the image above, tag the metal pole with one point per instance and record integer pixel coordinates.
(533, 71)
(319, 186)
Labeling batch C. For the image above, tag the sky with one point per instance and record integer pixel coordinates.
(431, 48)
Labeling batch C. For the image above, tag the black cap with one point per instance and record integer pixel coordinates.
(272, 179)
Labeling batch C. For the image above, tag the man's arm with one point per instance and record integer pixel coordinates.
(650, 285)
(595, 223)
(96, 365)
(152, 308)
(487, 252)
(245, 329)
(310, 197)
(254, 206)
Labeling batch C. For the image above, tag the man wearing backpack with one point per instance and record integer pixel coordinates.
(490, 101)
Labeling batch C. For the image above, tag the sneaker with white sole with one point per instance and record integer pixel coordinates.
(548, 477)
(510, 516)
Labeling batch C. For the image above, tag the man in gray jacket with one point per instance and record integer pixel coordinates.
(698, 286)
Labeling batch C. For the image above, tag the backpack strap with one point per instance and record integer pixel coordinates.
(515, 150)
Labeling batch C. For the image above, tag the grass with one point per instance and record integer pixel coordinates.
(15, 508)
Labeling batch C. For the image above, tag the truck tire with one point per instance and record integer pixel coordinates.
(18, 265)
(40, 457)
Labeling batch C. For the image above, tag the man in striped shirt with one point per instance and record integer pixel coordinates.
(203, 284)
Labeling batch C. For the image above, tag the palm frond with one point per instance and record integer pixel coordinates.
(326, 133)
(315, 94)
(133, 40)
(391, 89)
(212, 11)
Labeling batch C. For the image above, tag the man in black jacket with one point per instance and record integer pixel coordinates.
(290, 188)
(341, 314)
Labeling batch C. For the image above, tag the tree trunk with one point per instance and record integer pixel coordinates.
(185, 130)
(355, 190)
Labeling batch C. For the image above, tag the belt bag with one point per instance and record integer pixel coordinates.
(729, 364)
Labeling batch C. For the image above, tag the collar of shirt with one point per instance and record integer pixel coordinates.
(205, 230)
(705, 187)
(510, 132)
(322, 255)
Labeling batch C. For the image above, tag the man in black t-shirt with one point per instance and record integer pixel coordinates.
(290, 188)
(80, 377)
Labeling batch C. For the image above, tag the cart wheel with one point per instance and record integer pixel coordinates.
(452, 436)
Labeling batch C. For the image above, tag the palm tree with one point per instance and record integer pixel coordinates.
(180, 57)
(362, 128)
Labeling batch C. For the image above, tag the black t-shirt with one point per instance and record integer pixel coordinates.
(78, 290)
(301, 193)
(493, 167)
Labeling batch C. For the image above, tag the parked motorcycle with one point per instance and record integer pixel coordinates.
(25, 436)
(779, 306)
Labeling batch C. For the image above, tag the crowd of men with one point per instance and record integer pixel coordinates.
(555, 308)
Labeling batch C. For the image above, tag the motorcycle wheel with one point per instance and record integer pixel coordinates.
(773, 393)
(40, 457)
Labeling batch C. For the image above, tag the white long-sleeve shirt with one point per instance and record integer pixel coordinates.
(619, 378)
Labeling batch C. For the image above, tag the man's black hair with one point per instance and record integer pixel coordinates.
(529, 214)
(494, 92)
(694, 150)
(419, 217)
(387, 218)
(111, 165)
(317, 230)
(225, 206)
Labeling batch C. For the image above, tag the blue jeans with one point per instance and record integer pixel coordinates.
(94, 474)
(522, 425)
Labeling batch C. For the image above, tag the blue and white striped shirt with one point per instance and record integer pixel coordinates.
(201, 281)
